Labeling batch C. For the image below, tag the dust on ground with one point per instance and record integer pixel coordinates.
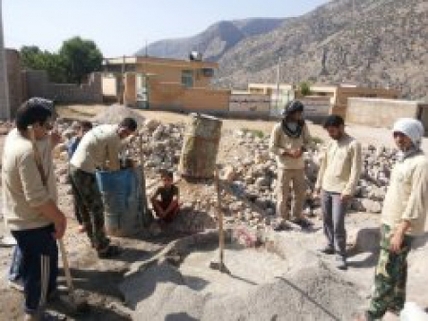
(99, 279)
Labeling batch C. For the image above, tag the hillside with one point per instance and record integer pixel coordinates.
(384, 45)
(214, 41)
(380, 43)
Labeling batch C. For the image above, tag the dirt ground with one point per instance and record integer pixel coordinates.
(99, 279)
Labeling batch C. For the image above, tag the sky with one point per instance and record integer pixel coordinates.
(121, 27)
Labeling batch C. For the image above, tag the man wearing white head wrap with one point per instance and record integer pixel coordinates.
(403, 218)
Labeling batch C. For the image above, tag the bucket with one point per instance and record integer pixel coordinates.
(200, 146)
(124, 197)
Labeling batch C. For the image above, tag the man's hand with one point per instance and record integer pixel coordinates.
(345, 197)
(55, 138)
(317, 193)
(396, 242)
(60, 226)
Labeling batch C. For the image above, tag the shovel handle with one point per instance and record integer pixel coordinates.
(220, 216)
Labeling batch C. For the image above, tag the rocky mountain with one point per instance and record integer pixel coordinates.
(365, 42)
(214, 41)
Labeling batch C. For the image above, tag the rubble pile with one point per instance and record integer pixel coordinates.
(248, 176)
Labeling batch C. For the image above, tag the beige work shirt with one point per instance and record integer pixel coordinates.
(407, 195)
(99, 145)
(340, 167)
(280, 142)
(22, 186)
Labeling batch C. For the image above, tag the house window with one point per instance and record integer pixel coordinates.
(187, 78)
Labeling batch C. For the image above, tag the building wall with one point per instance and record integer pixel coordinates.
(316, 108)
(4, 88)
(14, 80)
(342, 94)
(249, 105)
(37, 84)
(384, 112)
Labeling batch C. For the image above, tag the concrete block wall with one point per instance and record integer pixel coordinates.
(37, 84)
(14, 80)
(380, 112)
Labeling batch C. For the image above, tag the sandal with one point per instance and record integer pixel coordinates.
(108, 252)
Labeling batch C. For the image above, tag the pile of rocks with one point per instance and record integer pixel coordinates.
(248, 175)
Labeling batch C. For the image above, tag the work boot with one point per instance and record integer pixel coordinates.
(281, 225)
(303, 223)
(44, 316)
(16, 285)
(329, 250)
(341, 263)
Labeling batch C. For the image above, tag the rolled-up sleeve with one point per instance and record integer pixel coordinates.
(113, 149)
(356, 166)
(274, 147)
(34, 191)
(416, 206)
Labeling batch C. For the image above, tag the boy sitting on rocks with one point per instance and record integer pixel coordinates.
(165, 200)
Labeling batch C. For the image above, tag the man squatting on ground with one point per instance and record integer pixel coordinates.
(289, 139)
(98, 149)
(337, 179)
(403, 218)
(30, 206)
(84, 127)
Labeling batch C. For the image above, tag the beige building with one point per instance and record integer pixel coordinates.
(384, 112)
(168, 84)
(333, 98)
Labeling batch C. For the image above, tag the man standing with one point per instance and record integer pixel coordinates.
(337, 179)
(30, 196)
(84, 127)
(98, 149)
(403, 217)
(289, 140)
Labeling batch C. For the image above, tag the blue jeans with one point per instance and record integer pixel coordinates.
(334, 211)
(39, 265)
(15, 266)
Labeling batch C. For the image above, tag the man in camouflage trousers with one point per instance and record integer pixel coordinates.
(98, 149)
(403, 218)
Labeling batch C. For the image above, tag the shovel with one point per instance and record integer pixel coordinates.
(71, 302)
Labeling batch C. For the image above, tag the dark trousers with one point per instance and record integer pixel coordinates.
(39, 265)
(334, 211)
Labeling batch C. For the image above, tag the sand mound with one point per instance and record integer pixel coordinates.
(304, 288)
(115, 113)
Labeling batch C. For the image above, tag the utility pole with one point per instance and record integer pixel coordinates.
(122, 82)
(278, 73)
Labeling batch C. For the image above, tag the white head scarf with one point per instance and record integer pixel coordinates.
(412, 128)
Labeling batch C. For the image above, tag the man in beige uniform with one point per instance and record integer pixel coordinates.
(29, 195)
(403, 217)
(98, 149)
(289, 140)
(337, 179)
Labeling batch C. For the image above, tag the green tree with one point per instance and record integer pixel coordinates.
(35, 59)
(305, 88)
(80, 57)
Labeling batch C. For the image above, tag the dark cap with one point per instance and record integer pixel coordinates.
(292, 107)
